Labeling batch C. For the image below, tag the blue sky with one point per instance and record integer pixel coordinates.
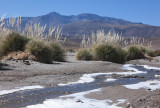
(145, 11)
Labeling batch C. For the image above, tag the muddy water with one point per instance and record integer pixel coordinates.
(30, 97)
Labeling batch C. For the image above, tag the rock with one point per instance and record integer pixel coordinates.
(79, 101)
(26, 62)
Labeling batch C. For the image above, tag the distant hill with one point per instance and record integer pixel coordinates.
(81, 24)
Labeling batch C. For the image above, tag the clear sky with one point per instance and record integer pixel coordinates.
(145, 11)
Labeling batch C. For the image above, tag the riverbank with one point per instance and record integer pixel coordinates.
(17, 74)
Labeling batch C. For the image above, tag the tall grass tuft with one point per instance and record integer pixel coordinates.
(112, 47)
(138, 52)
(40, 50)
(112, 53)
(100, 37)
(84, 54)
(39, 44)
(58, 54)
(13, 42)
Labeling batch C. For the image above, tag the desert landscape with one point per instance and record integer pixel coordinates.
(74, 57)
(77, 83)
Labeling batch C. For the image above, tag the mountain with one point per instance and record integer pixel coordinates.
(78, 25)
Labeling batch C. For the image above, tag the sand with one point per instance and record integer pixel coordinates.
(17, 74)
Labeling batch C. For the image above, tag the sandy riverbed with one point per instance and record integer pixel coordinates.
(17, 74)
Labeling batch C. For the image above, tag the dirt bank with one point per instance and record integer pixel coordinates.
(16, 73)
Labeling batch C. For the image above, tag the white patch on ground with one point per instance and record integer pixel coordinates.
(110, 79)
(87, 78)
(149, 67)
(77, 100)
(153, 85)
(3, 92)
(121, 101)
(157, 76)
(128, 67)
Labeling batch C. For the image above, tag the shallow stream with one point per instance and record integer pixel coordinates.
(134, 75)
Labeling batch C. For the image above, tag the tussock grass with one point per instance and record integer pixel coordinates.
(138, 52)
(40, 43)
(58, 53)
(84, 54)
(108, 52)
(13, 42)
(112, 47)
(46, 52)
(40, 50)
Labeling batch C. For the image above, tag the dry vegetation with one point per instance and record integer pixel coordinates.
(113, 47)
(33, 39)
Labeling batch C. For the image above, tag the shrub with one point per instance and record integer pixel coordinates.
(84, 54)
(13, 42)
(157, 53)
(58, 54)
(138, 52)
(106, 52)
(40, 50)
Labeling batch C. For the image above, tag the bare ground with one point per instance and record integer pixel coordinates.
(17, 74)
(20, 74)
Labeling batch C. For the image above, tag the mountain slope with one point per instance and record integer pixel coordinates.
(86, 23)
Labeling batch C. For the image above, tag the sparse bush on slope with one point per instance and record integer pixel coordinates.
(84, 54)
(106, 52)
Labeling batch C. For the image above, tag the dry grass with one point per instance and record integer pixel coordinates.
(37, 40)
(112, 47)
(84, 54)
(13, 24)
(100, 37)
(19, 56)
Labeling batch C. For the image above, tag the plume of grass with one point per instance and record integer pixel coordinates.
(13, 24)
(100, 37)
(38, 46)
(110, 47)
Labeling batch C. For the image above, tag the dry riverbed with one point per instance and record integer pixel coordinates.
(16, 76)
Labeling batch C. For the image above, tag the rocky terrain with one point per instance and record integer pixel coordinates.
(103, 83)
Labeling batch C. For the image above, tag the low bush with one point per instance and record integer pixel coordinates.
(40, 50)
(106, 52)
(138, 52)
(157, 53)
(84, 54)
(13, 42)
(58, 54)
